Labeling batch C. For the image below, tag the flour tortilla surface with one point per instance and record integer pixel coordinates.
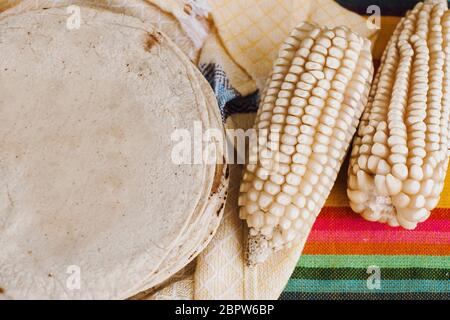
(91, 203)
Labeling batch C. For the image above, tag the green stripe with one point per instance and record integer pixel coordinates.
(363, 261)
(361, 273)
(361, 286)
(363, 296)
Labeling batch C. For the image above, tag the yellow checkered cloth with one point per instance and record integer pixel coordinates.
(253, 30)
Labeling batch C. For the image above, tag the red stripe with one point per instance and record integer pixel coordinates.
(314, 248)
(344, 218)
(344, 236)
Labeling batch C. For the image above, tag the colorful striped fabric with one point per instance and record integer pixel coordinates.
(343, 250)
(347, 257)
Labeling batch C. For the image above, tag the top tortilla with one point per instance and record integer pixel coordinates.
(86, 178)
(144, 10)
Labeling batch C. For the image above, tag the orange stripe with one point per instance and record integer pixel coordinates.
(445, 194)
(388, 24)
(346, 212)
(315, 248)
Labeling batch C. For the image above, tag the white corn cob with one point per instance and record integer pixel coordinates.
(399, 157)
(309, 113)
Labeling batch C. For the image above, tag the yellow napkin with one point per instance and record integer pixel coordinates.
(253, 30)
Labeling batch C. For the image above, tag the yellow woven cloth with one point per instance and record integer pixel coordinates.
(253, 30)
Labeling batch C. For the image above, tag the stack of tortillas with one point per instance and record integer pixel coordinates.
(92, 202)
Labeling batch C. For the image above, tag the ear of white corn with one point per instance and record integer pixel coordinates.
(308, 115)
(399, 157)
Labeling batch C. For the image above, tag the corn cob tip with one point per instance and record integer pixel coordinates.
(258, 250)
